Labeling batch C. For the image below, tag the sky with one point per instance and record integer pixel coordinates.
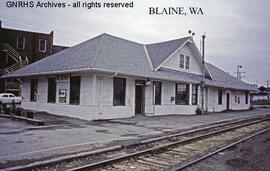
(237, 32)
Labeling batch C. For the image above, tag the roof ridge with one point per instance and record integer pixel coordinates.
(148, 58)
(98, 50)
(187, 37)
(109, 35)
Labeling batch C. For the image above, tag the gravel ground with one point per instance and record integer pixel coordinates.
(251, 155)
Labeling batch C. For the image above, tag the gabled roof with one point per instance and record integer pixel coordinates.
(223, 79)
(159, 52)
(106, 53)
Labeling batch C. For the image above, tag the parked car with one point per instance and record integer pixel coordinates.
(9, 98)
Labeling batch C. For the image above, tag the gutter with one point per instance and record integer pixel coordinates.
(108, 72)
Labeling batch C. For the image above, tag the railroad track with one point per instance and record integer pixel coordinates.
(170, 152)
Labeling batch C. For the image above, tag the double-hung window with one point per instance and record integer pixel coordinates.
(181, 94)
(20, 43)
(194, 94)
(158, 89)
(187, 62)
(220, 97)
(33, 90)
(119, 91)
(42, 45)
(75, 86)
(182, 61)
(51, 90)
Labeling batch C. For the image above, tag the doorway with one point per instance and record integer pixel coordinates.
(228, 101)
(139, 96)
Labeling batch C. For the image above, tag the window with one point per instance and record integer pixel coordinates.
(11, 95)
(20, 43)
(246, 97)
(182, 60)
(187, 62)
(42, 45)
(33, 90)
(220, 97)
(75, 85)
(51, 90)
(181, 94)
(158, 89)
(119, 91)
(194, 94)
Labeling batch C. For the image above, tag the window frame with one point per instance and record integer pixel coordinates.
(121, 101)
(220, 97)
(74, 97)
(179, 95)
(51, 98)
(33, 90)
(194, 96)
(18, 42)
(187, 62)
(45, 45)
(157, 100)
(182, 61)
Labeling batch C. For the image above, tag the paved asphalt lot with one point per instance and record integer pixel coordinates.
(19, 143)
(251, 155)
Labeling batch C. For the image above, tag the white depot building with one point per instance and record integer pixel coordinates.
(110, 77)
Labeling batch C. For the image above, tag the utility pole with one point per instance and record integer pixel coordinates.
(203, 63)
(238, 72)
(267, 90)
(202, 47)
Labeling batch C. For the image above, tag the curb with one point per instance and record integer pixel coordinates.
(29, 120)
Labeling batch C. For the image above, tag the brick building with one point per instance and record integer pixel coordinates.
(19, 48)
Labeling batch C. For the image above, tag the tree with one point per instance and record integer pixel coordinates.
(262, 88)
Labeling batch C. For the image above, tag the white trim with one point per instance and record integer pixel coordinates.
(199, 54)
(148, 58)
(172, 55)
(45, 48)
(18, 43)
(206, 67)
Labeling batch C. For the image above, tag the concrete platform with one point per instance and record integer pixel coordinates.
(21, 144)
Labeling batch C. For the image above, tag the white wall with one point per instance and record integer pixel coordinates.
(174, 61)
(96, 99)
(100, 108)
(167, 106)
(213, 105)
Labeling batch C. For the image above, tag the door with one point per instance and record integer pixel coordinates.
(228, 101)
(139, 96)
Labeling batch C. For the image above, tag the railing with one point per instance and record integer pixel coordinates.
(17, 65)
(11, 52)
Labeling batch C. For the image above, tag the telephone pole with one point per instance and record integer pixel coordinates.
(239, 73)
(267, 90)
(203, 63)
(202, 43)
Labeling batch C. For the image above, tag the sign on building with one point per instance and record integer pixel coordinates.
(62, 95)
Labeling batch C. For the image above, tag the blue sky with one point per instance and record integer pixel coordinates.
(237, 31)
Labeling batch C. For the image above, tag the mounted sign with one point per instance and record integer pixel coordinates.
(62, 95)
(62, 78)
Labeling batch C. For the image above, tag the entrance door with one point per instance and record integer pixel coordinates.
(139, 96)
(228, 101)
